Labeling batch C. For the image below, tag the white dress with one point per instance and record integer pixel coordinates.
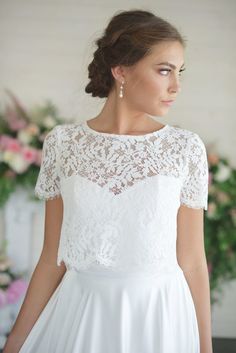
(123, 291)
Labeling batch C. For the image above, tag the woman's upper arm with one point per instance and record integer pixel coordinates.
(52, 230)
(190, 237)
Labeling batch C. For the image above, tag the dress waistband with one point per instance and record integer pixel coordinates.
(101, 272)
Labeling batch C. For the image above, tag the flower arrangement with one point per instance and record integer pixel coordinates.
(13, 288)
(220, 224)
(22, 134)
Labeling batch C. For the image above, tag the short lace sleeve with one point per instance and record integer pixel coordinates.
(48, 181)
(194, 191)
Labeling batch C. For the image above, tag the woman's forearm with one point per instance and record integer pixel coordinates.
(43, 283)
(198, 281)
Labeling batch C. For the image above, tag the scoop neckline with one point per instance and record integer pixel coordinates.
(124, 136)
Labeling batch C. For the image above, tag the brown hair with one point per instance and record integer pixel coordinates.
(128, 37)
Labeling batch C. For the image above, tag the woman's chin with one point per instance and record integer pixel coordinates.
(162, 112)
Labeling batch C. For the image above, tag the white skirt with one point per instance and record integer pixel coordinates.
(107, 312)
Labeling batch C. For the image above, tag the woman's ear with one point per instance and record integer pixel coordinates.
(118, 73)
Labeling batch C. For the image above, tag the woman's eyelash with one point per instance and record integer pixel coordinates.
(182, 70)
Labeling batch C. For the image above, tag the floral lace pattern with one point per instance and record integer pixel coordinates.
(121, 193)
(48, 182)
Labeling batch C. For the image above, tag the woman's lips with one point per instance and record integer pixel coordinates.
(167, 102)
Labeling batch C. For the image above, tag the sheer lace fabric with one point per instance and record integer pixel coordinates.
(121, 194)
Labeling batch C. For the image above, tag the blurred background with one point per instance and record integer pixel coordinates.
(45, 48)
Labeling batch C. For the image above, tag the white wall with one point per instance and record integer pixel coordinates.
(46, 47)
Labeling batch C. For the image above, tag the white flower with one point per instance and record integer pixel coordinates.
(4, 279)
(15, 161)
(49, 122)
(7, 156)
(5, 264)
(24, 136)
(223, 173)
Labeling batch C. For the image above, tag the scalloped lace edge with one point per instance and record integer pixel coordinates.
(194, 206)
(42, 196)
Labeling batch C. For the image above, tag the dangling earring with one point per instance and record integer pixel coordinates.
(121, 89)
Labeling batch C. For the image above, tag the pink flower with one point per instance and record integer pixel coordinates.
(32, 129)
(212, 158)
(38, 158)
(211, 209)
(17, 125)
(14, 145)
(14, 120)
(210, 176)
(29, 154)
(16, 289)
(3, 298)
(4, 141)
(9, 143)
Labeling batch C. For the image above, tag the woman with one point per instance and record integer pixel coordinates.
(123, 266)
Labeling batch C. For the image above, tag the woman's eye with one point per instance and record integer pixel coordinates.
(168, 70)
(165, 70)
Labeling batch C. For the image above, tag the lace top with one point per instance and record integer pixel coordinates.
(121, 193)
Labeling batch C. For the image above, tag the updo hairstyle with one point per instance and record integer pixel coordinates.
(128, 38)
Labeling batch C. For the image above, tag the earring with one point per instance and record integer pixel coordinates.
(121, 90)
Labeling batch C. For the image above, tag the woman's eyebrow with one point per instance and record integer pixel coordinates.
(169, 64)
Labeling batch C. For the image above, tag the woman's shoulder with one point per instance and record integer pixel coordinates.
(189, 136)
(180, 131)
(185, 141)
(65, 130)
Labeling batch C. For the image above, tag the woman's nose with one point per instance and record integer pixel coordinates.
(175, 85)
